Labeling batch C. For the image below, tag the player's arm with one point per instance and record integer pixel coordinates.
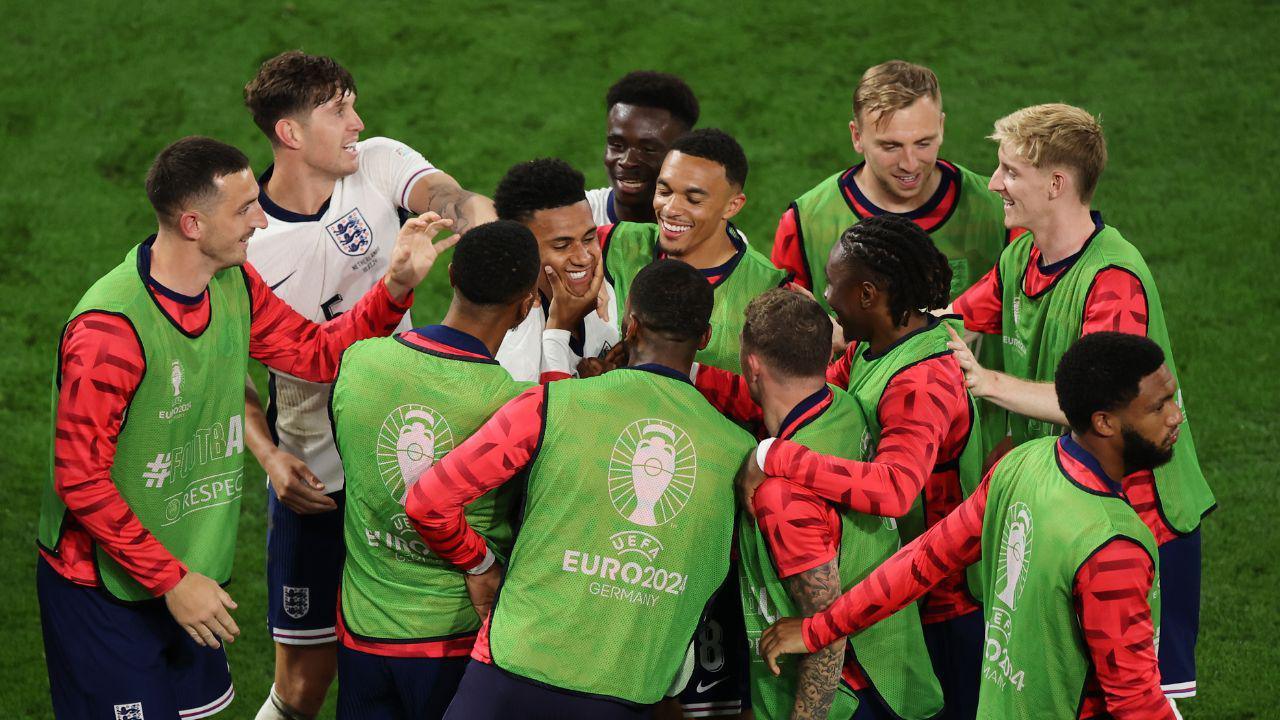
(500, 449)
(802, 534)
(438, 192)
(293, 482)
(284, 340)
(916, 412)
(788, 249)
(951, 545)
(728, 393)
(982, 305)
(1111, 599)
(101, 368)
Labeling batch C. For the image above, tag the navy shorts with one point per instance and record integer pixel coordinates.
(108, 659)
(304, 568)
(375, 687)
(488, 692)
(720, 685)
(1179, 614)
(955, 647)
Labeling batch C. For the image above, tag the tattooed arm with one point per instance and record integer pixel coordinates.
(440, 193)
(813, 591)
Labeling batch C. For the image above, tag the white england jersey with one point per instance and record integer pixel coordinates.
(601, 202)
(527, 351)
(322, 265)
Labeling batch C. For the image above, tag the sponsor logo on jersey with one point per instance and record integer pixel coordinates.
(351, 233)
(129, 711)
(652, 472)
(412, 438)
(297, 601)
(1010, 580)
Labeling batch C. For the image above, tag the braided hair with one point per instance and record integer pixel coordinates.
(903, 258)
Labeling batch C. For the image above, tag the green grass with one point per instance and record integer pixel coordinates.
(1187, 92)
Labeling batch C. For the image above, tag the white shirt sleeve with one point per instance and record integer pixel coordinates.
(393, 168)
(557, 356)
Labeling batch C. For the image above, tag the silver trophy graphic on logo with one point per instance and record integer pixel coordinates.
(175, 377)
(415, 448)
(653, 467)
(412, 438)
(1017, 550)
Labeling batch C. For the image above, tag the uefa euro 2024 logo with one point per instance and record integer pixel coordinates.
(1015, 551)
(412, 438)
(651, 472)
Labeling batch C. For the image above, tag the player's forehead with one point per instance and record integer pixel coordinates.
(921, 119)
(1157, 386)
(682, 172)
(640, 121)
(341, 99)
(568, 221)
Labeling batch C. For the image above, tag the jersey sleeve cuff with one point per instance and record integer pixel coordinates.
(485, 564)
(762, 452)
(807, 634)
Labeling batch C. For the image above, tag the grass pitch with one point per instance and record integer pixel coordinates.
(1187, 92)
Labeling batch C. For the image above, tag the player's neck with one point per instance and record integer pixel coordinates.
(1110, 458)
(889, 202)
(714, 251)
(675, 356)
(883, 337)
(298, 187)
(178, 264)
(1061, 234)
(484, 325)
(634, 213)
(779, 398)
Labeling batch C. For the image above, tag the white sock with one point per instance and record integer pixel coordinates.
(272, 709)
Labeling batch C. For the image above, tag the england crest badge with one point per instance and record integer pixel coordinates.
(297, 601)
(351, 233)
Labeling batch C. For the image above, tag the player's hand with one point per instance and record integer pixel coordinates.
(415, 253)
(200, 607)
(483, 588)
(750, 478)
(977, 378)
(568, 309)
(296, 486)
(782, 638)
(615, 358)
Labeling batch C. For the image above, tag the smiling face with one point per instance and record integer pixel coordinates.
(227, 219)
(327, 136)
(567, 242)
(1025, 188)
(636, 141)
(901, 153)
(694, 199)
(849, 296)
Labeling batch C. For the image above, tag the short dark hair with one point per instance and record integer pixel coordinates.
(646, 88)
(496, 263)
(1101, 372)
(718, 146)
(916, 275)
(187, 170)
(535, 185)
(294, 82)
(672, 299)
(790, 331)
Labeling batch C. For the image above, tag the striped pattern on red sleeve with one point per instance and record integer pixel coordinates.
(493, 455)
(728, 393)
(284, 340)
(788, 249)
(101, 366)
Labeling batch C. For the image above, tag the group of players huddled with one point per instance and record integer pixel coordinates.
(632, 471)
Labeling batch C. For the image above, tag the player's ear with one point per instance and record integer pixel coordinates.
(630, 328)
(867, 294)
(856, 136)
(452, 283)
(189, 224)
(942, 126)
(706, 338)
(288, 133)
(1059, 183)
(1105, 424)
(735, 205)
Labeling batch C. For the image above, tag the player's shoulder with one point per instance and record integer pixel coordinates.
(782, 500)
(380, 144)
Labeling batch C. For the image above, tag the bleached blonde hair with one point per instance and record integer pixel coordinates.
(891, 86)
(1057, 135)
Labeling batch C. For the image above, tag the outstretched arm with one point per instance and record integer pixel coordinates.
(441, 194)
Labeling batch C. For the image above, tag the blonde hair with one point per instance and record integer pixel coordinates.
(891, 86)
(1056, 134)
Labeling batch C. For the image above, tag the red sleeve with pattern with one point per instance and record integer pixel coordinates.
(1110, 596)
(101, 366)
(981, 306)
(801, 529)
(284, 340)
(1117, 302)
(944, 549)
(917, 410)
(838, 371)
(602, 234)
(788, 251)
(728, 393)
(502, 447)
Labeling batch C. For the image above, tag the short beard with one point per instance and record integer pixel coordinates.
(1140, 453)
